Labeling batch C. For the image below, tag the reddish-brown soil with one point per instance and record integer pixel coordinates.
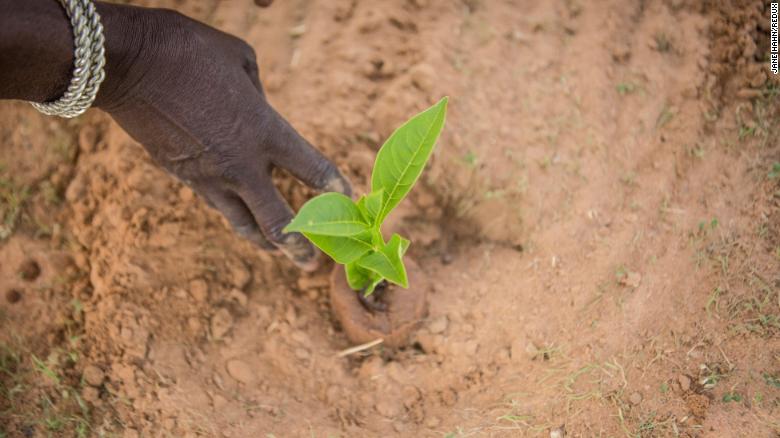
(600, 227)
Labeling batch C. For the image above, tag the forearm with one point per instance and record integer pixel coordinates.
(36, 48)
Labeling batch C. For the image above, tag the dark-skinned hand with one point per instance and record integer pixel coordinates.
(191, 96)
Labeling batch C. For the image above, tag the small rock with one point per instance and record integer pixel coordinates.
(633, 279)
(194, 324)
(239, 370)
(93, 375)
(558, 432)
(438, 325)
(411, 395)
(90, 394)
(635, 398)
(685, 382)
(747, 93)
(298, 31)
(427, 342)
(221, 323)
(186, 194)
(30, 270)
(317, 282)
(199, 290)
(423, 76)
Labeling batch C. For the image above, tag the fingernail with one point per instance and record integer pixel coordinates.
(338, 184)
(301, 252)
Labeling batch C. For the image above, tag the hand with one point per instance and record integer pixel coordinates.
(191, 95)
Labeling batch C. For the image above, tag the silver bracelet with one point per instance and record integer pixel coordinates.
(89, 59)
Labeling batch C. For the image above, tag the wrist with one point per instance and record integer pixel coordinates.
(36, 43)
(123, 29)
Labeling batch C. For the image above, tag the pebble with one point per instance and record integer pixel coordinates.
(93, 375)
(199, 290)
(186, 194)
(635, 398)
(423, 76)
(221, 323)
(633, 279)
(438, 325)
(317, 282)
(427, 342)
(558, 432)
(239, 370)
(685, 382)
(90, 394)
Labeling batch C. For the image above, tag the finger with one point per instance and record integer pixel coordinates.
(251, 69)
(292, 152)
(272, 214)
(240, 217)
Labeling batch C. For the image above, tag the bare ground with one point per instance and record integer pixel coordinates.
(601, 227)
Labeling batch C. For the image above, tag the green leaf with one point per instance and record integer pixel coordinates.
(329, 214)
(357, 277)
(370, 205)
(342, 249)
(402, 158)
(387, 261)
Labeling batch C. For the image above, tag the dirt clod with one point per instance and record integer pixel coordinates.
(635, 398)
(199, 290)
(684, 381)
(438, 325)
(30, 270)
(239, 370)
(240, 275)
(221, 323)
(93, 375)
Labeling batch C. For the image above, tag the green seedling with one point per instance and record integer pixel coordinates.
(350, 232)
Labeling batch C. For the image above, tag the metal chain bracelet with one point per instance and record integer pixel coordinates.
(89, 58)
